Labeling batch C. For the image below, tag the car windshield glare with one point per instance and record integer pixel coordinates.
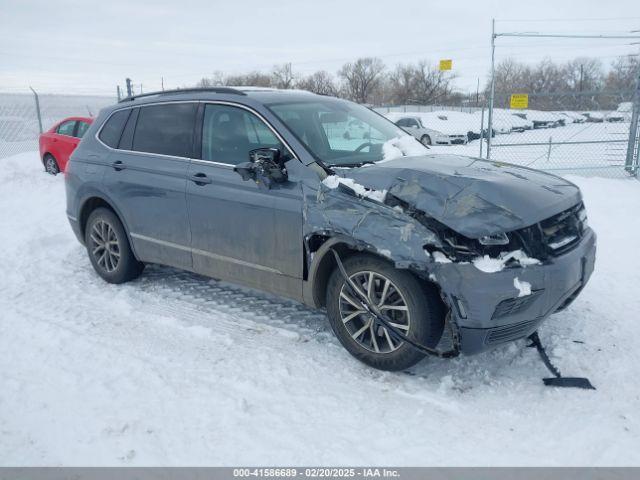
(336, 132)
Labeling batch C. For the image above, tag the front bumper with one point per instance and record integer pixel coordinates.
(487, 308)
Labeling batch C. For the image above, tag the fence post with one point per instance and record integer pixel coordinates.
(37, 109)
(493, 87)
(481, 130)
(633, 147)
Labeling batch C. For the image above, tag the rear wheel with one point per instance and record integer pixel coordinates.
(425, 140)
(108, 248)
(414, 309)
(50, 164)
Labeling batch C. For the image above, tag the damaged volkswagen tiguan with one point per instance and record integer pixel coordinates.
(410, 252)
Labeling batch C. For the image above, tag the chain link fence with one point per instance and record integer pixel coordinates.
(19, 118)
(566, 132)
(587, 133)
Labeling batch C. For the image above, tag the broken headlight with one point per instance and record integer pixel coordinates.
(582, 216)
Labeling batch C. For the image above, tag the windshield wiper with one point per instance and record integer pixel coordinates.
(351, 165)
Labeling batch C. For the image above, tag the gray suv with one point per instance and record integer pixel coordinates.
(407, 251)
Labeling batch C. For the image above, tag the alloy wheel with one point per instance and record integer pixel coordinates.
(105, 247)
(361, 325)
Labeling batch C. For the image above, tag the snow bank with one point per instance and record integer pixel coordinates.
(491, 265)
(333, 181)
(404, 146)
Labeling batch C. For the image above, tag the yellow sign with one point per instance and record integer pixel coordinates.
(446, 64)
(519, 100)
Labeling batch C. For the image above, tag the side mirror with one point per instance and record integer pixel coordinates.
(265, 167)
(246, 170)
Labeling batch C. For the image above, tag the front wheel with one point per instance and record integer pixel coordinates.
(425, 140)
(108, 248)
(413, 307)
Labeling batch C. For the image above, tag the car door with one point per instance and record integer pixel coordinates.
(239, 231)
(147, 180)
(64, 142)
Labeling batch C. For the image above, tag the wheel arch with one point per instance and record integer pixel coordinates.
(323, 263)
(95, 200)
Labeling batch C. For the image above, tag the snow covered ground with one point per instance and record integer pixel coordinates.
(175, 369)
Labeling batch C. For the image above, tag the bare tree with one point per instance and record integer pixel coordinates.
(282, 76)
(361, 78)
(583, 74)
(402, 84)
(431, 84)
(256, 79)
(320, 82)
(623, 75)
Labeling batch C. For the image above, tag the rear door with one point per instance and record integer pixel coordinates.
(64, 142)
(147, 177)
(241, 232)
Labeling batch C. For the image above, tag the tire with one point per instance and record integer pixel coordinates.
(425, 140)
(50, 164)
(423, 319)
(113, 261)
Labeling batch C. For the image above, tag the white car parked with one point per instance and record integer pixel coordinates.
(422, 128)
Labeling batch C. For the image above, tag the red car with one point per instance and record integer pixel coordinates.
(58, 143)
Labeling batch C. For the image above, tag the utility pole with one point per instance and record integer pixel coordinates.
(129, 90)
(162, 83)
(478, 93)
(118, 92)
(581, 78)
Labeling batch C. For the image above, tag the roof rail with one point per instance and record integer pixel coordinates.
(184, 90)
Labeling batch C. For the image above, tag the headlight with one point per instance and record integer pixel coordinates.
(582, 216)
(495, 239)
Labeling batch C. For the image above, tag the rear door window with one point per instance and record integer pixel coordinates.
(166, 129)
(82, 129)
(66, 128)
(112, 129)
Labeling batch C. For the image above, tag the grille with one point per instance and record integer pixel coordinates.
(511, 332)
(561, 232)
(514, 305)
(554, 235)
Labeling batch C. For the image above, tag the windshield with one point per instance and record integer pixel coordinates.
(338, 133)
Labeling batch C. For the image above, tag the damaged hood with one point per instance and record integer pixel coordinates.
(471, 196)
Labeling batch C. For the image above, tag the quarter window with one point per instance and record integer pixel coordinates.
(66, 128)
(112, 129)
(230, 133)
(166, 129)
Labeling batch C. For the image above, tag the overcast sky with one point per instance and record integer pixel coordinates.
(69, 46)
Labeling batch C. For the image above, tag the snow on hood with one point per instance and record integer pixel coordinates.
(404, 146)
(334, 181)
(471, 196)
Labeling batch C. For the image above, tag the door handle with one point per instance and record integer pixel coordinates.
(200, 179)
(118, 165)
